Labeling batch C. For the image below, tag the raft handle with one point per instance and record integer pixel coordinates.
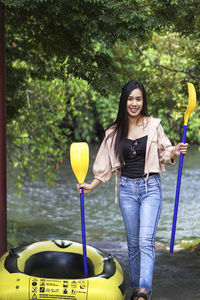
(62, 245)
(110, 258)
(12, 253)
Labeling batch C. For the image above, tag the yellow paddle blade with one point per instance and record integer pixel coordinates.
(79, 157)
(192, 102)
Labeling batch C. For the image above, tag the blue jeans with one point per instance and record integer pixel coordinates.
(141, 211)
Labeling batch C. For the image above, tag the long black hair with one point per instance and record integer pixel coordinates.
(121, 123)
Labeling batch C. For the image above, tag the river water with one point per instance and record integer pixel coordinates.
(54, 213)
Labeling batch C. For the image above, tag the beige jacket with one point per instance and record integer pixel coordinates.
(157, 153)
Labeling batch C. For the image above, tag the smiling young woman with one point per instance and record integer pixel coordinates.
(136, 146)
(135, 103)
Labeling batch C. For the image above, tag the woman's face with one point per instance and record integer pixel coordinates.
(135, 103)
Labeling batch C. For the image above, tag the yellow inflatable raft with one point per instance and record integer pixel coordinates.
(54, 270)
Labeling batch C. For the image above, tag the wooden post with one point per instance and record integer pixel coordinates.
(3, 204)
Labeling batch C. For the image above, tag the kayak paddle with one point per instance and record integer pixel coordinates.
(190, 108)
(79, 156)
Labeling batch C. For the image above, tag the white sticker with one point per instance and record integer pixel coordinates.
(44, 289)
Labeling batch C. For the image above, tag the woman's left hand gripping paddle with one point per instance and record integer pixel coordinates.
(79, 156)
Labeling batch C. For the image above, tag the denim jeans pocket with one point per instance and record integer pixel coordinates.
(123, 181)
(154, 181)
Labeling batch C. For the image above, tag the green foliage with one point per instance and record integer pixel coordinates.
(37, 133)
(192, 246)
(168, 63)
(82, 117)
(107, 110)
(194, 127)
(13, 230)
(41, 30)
(164, 64)
(54, 114)
(106, 43)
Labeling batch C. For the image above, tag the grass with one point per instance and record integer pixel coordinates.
(191, 245)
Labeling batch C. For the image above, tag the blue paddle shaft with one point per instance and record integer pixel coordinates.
(83, 233)
(178, 185)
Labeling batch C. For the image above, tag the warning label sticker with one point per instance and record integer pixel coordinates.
(44, 289)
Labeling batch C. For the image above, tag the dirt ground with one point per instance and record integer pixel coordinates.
(176, 276)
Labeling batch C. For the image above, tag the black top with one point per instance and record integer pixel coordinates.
(134, 157)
